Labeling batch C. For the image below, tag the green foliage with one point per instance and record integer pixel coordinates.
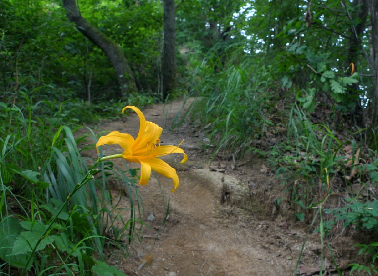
(208, 23)
(232, 102)
(362, 215)
(52, 231)
(371, 251)
(40, 49)
(10, 229)
(103, 269)
(289, 54)
(311, 155)
(372, 169)
(248, 63)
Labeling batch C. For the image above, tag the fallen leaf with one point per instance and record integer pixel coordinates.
(356, 162)
(264, 169)
(307, 271)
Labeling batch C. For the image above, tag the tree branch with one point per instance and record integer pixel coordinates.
(330, 30)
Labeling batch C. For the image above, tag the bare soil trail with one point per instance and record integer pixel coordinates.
(223, 219)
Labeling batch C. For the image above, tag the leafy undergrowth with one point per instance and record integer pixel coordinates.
(55, 209)
(329, 172)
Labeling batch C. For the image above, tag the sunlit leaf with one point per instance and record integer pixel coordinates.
(329, 74)
(336, 87)
(349, 80)
(103, 269)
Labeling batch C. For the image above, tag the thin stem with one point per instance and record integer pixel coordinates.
(85, 180)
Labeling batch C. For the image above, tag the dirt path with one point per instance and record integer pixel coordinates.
(222, 220)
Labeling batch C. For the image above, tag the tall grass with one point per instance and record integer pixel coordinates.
(239, 106)
(235, 103)
(42, 228)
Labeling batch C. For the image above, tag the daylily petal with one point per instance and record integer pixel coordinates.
(145, 172)
(164, 169)
(150, 137)
(126, 141)
(165, 150)
(142, 119)
(144, 149)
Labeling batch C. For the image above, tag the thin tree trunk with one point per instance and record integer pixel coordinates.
(373, 8)
(169, 51)
(360, 12)
(112, 50)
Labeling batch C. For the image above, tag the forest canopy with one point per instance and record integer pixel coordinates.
(294, 82)
(309, 47)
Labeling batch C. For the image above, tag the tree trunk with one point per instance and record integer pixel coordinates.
(360, 13)
(373, 8)
(169, 51)
(113, 52)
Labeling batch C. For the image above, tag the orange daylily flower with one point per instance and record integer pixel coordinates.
(144, 149)
(352, 64)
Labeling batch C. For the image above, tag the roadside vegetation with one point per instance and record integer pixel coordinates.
(294, 82)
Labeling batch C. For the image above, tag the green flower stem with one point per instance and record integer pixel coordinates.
(118, 155)
(89, 176)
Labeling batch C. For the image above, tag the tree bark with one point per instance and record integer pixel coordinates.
(112, 50)
(373, 8)
(360, 11)
(169, 50)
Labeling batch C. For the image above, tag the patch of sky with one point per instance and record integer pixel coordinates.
(247, 11)
(261, 41)
(364, 96)
(246, 7)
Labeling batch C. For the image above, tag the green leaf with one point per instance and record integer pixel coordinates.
(301, 49)
(57, 135)
(321, 67)
(310, 105)
(374, 177)
(63, 243)
(54, 206)
(325, 86)
(336, 87)
(6, 175)
(28, 239)
(10, 229)
(337, 97)
(329, 74)
(349, 80)
(300, 216)
(286, 82)
(298, 25)
(32, 177)
(2, 197)
(25, 243)
(103, 269)
(300, 203)
(26, 225)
